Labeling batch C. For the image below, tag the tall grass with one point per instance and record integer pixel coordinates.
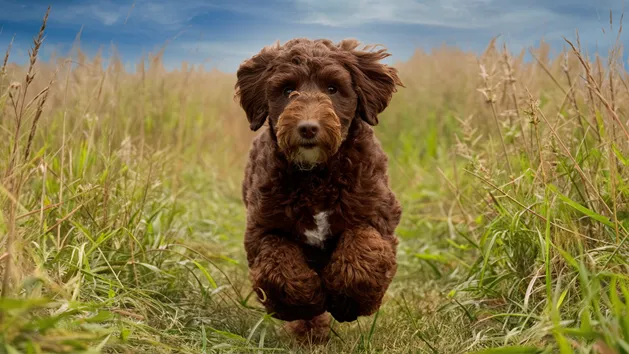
(122, 221)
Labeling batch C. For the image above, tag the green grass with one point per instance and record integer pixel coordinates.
(122, 221)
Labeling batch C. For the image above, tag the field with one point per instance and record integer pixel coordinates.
(122, 221)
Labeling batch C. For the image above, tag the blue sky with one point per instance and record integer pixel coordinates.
(222, 33)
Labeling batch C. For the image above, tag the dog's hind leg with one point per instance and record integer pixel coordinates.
(359, 273)
(313, 331)
(283, 281)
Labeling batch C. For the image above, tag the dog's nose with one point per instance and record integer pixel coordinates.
(308, 130)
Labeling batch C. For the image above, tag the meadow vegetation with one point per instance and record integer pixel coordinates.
(122, 221)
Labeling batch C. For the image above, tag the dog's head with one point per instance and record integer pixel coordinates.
(311, 90)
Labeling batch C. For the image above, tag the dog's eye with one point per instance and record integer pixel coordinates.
(288, 90)
(332, 89)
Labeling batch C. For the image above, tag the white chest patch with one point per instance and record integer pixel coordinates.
(317, 236)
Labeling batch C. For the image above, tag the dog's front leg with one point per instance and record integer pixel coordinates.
(359, 273)
(284, 282)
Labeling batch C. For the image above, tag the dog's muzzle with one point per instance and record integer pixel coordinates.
(309, 131)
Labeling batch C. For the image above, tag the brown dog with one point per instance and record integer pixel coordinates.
(320, 214)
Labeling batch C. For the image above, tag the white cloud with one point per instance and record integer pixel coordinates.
(466, 23)
(105, 12)
(220, 48)
(461, 14)
(224, 55)
(108, 12)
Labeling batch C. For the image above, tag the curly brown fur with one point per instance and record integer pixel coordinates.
(321, 217)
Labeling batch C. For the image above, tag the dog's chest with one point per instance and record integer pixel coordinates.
(313, 208)
(317, 235)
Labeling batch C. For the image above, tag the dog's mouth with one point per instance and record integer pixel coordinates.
(308, 145)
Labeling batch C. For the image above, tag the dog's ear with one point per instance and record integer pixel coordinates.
(374, 82)
(250, 85)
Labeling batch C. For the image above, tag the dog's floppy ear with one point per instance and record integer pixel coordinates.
(374, 82)
(251, 77)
